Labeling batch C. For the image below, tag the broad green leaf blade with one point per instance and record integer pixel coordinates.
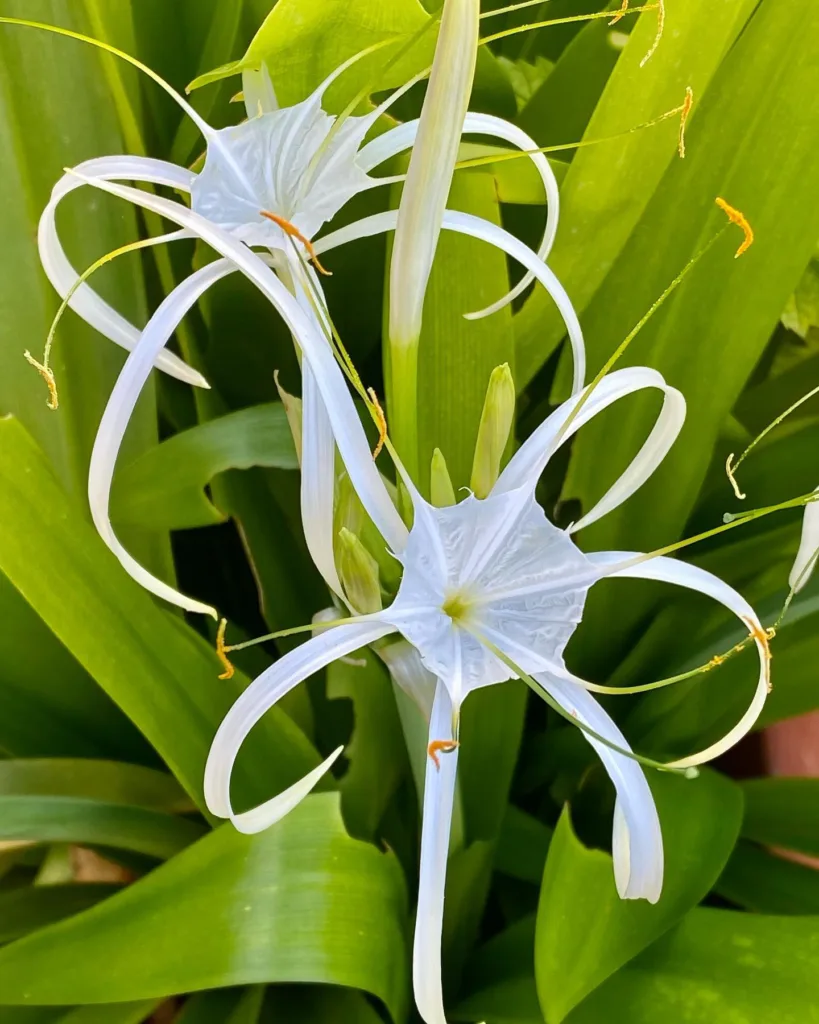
(122, 1013)
(249, 1007)
(164, 487)
(782, 812)
(522, 846)
(48, 704)
(585, 932)
(317, 1004)
(609, 186)
(376, 751)
(110, 781)
(512, 1001)
(27, 909)
(718, 965)
(301, 902)
(210, 1007)
(157, 669)
(761, 881)
(65, 819)
(303, 41)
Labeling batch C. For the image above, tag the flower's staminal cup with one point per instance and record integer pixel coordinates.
(271, 182)
(490, 583)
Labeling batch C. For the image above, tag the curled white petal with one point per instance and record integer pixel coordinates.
(806, 556)
(349, 433)
(85, 302)
(118, 413)
(476, 227)
(439, 798)
(296, 666)
(669, 570)
(637, 841)
(525, 467)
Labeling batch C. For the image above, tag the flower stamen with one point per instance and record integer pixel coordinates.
(620, 14)
(730, 470)
(737, 217)
(688, 103)
(293, 232)
(221, 651)
(660, 5)
(48, 376)
(441, 747)
(381, 421)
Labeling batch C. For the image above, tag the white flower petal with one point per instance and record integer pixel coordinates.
(85, 302)
(439, 798)
(432, 166)
(296, 666)
(525, 467)
(637, 841)
(118, 413)
(805, 561)
(318, 472)
(669, 570)
(349, 433)
(476, 227)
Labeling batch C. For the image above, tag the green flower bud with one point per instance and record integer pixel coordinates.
(358, 571)
(493, 434)
(442, 493)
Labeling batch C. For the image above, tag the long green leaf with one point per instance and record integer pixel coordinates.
(585, 932)
(158, 671)
(761, 881)
(301, 902)
(718, 965)
(29, 908)
(164, 487)
(782, 812)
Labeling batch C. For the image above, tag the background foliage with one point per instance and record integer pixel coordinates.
(108, 702)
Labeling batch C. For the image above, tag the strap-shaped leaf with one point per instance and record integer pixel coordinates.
(164, 487)
(302, 902)
(157, 669)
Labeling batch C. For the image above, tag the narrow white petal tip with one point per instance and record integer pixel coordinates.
(261, 818)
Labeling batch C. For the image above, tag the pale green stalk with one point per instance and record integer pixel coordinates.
(420, 215)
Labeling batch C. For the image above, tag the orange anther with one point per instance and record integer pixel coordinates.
(738, 218)
(293, 232)
(688, 103)
(381, 420)
(441, 747)
(221, 651)
(48, 376)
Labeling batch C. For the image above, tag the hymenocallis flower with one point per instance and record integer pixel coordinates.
(491, 590)
(271, 182)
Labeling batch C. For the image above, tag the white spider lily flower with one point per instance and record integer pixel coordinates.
(431, 167)
(272, 182)
(806, 556)
(493, 576)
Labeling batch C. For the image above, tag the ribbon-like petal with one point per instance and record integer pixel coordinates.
(627, 564)
(476, 227)
(118, 413)
(296, 666)
(637, 841)
(530, 460)
(347, 428)
(439, 799)
(85, 302)
(805, 561)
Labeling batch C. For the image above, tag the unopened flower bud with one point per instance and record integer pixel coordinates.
(493, 434)
(358, 571)
(442, 493)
